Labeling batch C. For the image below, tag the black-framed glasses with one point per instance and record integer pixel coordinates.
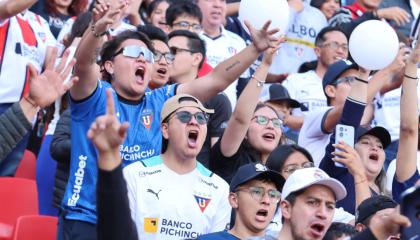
(169, 57)
(336, 45)
(185, 117)
(176, 50)
(187, 26)
(258, 193)
(293, 167)
(135, 51)
(347, 79)
(263, 120)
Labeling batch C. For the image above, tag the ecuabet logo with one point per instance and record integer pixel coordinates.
(202, 202)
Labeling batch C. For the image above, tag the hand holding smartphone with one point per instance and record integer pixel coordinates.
(345, 134)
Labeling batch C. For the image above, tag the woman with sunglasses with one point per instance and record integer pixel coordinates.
(253, 130)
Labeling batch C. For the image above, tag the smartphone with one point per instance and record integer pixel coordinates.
(344, 133)
(410, 207)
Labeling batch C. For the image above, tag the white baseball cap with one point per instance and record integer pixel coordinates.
(306, 177)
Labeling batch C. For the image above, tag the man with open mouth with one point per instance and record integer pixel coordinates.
(308, 203)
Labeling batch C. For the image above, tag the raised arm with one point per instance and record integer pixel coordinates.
(241, 117)
(229, 70)
(114, 217)
(358, 92)
(86, 68)
(44, 89)
(409, 120)
(9, 8)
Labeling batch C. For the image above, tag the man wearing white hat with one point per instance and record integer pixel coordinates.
(308, 203)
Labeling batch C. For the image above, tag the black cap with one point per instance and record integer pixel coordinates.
(381, 133)
(280, 93)
(335, 70)
(371, 205)
(251, 171)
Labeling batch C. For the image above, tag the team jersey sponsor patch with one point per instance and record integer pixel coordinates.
(151, 225)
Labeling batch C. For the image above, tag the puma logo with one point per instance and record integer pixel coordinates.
(153, 192)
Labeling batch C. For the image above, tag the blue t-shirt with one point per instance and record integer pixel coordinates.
(143, 141)
(223, 235)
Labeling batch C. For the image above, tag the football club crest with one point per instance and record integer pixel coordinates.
(146, 119)
(202, 202)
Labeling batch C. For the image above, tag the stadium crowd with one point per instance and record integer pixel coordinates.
(170, 119)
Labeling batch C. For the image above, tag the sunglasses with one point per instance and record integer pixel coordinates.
(176, 50)
(169, 57)
(185, 117)
(263, 120)
(135, 51)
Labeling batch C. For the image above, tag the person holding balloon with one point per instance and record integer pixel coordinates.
(363, 173)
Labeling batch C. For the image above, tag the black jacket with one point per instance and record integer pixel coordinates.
(60, 150)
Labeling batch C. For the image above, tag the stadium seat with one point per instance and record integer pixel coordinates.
(34, 227)
(27, 166)
(18, 197)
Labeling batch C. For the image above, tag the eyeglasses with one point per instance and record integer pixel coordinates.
(292, 168)
(169, 57)
(347, 79)
(258, 193)
(336, 45)
(135, 51)
(187, 26)
(263, 120)
(176, 50)
(185, 117)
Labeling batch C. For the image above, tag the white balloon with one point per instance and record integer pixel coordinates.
(373, 44)
(258, 12)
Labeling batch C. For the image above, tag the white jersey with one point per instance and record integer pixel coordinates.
(23, 39)
(221, 48)
(303, 28)
(390, 172)
(387, 111)
(306, 88)
(167, 205)
(312, 136)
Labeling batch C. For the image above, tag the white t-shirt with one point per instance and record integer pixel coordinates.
(306, 88)
(312, 137)
(167, 205)
(390, 172)
(387, 111)
(299, 48)
(24, 39)
(221, 48)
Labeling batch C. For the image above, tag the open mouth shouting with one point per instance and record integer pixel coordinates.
(317, 230)
(269, 136)
(140, 71)
(162, 71)
(262, 215)
(192, 138)
(374, 157)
